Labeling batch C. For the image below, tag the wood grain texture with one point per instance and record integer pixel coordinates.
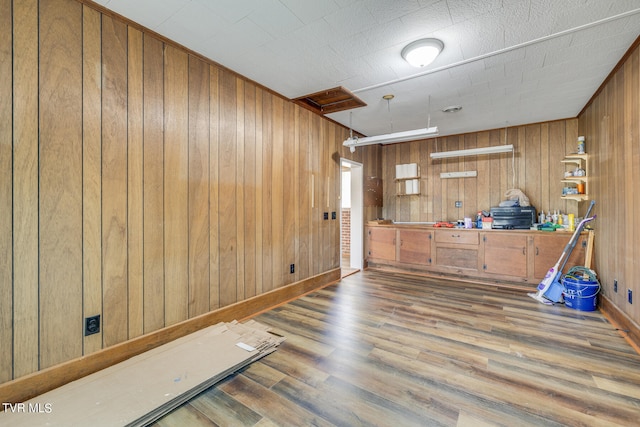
(114, 182)
(29, 386)
(6, 195)
(153, 185)
(135, 185)
(227, 186)
(91, 172)
(240, 190)
(25, 187)
(214, 189)
(538, 150)
(176, 184)
(147, 184)
(199, 157)
(611, 126)
(249, 184)
(416, 351)
(60, 189)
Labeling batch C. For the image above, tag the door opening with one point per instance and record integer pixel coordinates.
(351, 216)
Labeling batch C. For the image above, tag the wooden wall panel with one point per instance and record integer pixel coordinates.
(227, 182)
(268, 239)
(91, 172)
(6, 197)
(60, 160)
(303, 186)
(239, 190)
(260, 189)
(153, 185)
(114, 181)
(214, 203)
(277, 191)
(135, 170)
(25, 187)
(289, 193)
(176, 184)
(199, 127)
(611, 126)
(249, 186)
(147, 185)
(538, 151)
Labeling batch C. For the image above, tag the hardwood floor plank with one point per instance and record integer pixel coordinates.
(385, 349)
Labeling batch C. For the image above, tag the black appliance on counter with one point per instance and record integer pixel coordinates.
(513, 217)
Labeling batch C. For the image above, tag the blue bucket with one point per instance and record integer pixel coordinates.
(580, 294)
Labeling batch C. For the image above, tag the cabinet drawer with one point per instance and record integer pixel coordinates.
(458, 236)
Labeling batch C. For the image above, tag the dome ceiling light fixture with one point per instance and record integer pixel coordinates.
(452, 109)
(423, 52)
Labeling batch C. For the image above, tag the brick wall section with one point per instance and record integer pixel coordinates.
(345, 238)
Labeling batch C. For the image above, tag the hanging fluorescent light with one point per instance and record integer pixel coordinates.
(473, 151)
(423, 52)
(390, 138)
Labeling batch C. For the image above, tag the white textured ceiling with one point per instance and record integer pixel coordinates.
(506, 62)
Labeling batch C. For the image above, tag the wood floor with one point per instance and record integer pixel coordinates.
(383, 349)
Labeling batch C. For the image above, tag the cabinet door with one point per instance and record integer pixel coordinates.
(382, 243)
(505, 254)
(415, 246)
(548, 248)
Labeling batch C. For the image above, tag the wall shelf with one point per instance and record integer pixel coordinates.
(580, 161)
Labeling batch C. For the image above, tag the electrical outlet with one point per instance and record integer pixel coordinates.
(630, 296)
(325, 216)
(333, 215)
(91, 325)
(292, 268)
(458, 204)
(615, 286)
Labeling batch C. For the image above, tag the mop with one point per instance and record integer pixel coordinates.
(549, 289)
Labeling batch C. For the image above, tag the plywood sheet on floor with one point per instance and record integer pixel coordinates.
(145, 387)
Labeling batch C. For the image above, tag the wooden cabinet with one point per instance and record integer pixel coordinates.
(547, 248)
(505, 254)
(382, 243)
(457, 249)
(415, 246)
(514, 256)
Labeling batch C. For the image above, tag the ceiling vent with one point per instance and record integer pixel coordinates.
(330, 101)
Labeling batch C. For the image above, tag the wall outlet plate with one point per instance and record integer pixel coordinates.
(458, 204)
(91, 325)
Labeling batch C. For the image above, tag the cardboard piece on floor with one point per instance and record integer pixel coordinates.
(145, 387)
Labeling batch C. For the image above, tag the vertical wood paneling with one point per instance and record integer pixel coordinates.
(277, 189)
(214, 211)
(227, 181)
(199, 156)
(145, 185)
(153, 185)
(60, 249)
(91, 172)
(538, 172)
(303, 188)
(239, 190)
(6, 198)
(267, 193)
(611, 126)
(114, 181)
(25, 187)
(135, 159)
(176, 185)
(249, 185)
(289, 192)
(260, 189)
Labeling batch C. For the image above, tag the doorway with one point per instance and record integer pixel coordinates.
(351, 216)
